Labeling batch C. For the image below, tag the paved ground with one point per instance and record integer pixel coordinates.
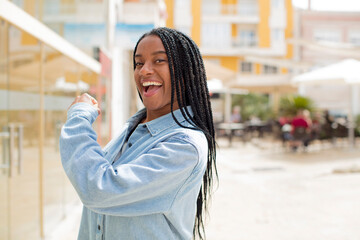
(268, 193)
(277, 195)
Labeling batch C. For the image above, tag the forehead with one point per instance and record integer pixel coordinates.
(150, 44)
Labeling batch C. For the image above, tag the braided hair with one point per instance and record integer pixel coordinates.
(188, 82)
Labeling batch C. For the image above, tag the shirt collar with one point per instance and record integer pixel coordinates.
(162, 123)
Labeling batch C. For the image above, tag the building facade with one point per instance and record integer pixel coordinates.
(325, 38)
(332, 30)
(247, 37)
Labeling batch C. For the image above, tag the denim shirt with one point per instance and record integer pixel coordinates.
(150, 191)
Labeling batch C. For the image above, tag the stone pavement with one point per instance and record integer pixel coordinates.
(268, 193)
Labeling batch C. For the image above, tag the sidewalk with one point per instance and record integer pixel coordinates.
(68, 229)
(266, 193)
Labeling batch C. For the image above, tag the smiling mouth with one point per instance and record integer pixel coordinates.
(150, 88)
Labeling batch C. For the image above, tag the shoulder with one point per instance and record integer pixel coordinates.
(195, 138)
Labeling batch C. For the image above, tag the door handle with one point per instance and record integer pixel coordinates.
(8, 144)
(11, 128)
(20, 134)
(5, 135)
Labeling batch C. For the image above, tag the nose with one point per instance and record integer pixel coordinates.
(146, 69)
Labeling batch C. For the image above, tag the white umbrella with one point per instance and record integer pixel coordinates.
(346, 72)
(214, 85)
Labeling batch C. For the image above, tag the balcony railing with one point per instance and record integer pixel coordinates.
(244, 42)
(141, 13)
(245, 8)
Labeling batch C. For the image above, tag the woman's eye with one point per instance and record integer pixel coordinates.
(159, 60)
(138, 64)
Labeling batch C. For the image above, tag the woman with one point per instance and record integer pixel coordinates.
(153, 180)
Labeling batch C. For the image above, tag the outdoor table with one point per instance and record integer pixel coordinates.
(256, 127)
(230, 129)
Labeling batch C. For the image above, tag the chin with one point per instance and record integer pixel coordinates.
(150, 106)
(157, 107)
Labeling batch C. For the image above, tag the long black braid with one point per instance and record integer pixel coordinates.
(188, 82)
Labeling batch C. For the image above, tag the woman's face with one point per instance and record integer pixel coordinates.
(152, 76)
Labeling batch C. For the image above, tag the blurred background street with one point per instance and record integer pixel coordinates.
(284, 81)
(265, 192)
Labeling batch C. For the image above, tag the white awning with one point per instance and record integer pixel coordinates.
(214, 70)
(264, 83)
(344, 72)
(281, 63)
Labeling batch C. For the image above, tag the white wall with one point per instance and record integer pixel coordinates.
(120, 101)
(182, 16)
(277, 22)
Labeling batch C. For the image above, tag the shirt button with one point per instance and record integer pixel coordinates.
(99, 227)
(130, 144)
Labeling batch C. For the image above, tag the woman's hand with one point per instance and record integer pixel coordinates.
(86, 98)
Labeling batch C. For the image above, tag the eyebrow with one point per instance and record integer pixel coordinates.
(154, 53)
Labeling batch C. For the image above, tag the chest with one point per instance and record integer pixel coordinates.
(131, 144)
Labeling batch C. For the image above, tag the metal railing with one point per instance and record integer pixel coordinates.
(244, 42)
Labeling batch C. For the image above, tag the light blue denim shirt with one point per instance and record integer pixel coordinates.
(150, 191)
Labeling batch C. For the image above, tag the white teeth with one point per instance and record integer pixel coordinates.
(146, 84)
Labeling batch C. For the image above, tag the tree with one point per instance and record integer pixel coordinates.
(253, 105)
(290, 105)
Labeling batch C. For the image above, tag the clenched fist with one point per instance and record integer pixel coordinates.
(86, 98)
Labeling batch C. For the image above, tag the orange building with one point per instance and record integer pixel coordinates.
(248, 37)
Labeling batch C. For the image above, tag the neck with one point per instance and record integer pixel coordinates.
(151, 115)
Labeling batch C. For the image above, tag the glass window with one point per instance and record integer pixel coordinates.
(182, 16)
(277, 35)
(246, 67)
(328, 35)
(4, 146)
(267, 69)
(211, 7)
(22, 58)
(354, 37)
(216, 35)
(53, 7)
(247, 7)
(29, 6)
(247, 38)
(277, 4)
(24, 113)
(61, 86)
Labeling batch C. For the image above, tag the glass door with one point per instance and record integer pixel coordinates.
(23, 114)
(4, 135)
(61, 76)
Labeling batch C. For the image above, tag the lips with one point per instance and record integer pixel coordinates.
(150, 88)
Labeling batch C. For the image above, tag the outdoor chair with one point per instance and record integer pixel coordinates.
(300, 136)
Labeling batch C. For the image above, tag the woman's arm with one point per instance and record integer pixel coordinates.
(145, 185)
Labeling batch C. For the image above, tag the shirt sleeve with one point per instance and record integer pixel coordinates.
(148, 184)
